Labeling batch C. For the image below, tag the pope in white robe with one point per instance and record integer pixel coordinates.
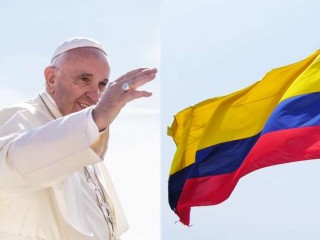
(53, 182)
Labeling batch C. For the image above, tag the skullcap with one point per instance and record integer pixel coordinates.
(77, 42)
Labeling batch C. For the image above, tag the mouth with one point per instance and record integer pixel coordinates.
(84, 105)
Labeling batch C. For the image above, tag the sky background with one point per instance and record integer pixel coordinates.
(31, 30)
(214, 47)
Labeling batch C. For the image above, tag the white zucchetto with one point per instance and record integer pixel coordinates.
(77, 42)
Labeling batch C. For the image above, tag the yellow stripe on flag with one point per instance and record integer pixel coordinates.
(238, 115)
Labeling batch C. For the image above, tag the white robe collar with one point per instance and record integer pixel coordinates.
(51, 104)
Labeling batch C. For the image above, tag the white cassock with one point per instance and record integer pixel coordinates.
(43, 191)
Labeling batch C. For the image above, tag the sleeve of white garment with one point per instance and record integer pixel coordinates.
(46, 154)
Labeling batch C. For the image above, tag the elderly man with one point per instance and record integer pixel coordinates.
(53, 184)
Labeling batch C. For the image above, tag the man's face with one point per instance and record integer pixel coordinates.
(79, 80)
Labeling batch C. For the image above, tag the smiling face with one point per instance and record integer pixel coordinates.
(77, 79)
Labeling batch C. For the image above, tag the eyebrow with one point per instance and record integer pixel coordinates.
(91, 75)
(85, 75)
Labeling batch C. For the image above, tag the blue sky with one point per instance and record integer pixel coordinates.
(212, 48)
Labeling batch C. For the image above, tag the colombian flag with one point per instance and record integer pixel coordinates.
(220, 140)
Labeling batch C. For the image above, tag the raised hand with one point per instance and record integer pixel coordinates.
(119, 93)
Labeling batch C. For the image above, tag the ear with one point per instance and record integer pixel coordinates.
(49, 74)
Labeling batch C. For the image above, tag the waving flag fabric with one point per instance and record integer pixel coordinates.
(274, 121)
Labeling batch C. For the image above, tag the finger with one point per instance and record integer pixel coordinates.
(134, 71)
(129, 74)
(141, 80)
(129, 96)
(146, 71)
(136, 74)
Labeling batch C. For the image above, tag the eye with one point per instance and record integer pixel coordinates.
(85, 79)
(102, 86)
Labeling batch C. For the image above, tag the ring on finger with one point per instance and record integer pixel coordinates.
(125, 86)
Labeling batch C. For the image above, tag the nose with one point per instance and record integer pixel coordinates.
(94, 94)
